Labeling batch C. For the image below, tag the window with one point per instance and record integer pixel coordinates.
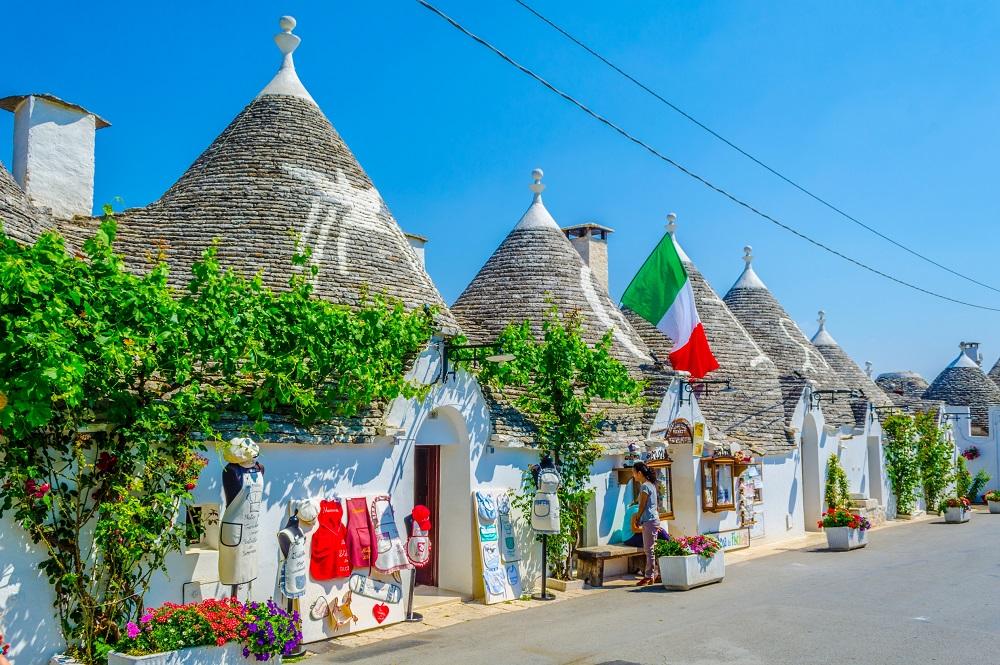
(201, 526)
(717, 493)
(664, 489)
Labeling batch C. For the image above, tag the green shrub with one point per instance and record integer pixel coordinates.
(837, 493)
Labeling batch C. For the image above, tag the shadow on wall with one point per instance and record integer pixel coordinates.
(615, 496)
(27, 619)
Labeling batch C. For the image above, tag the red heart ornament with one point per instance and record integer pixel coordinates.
(380, 612)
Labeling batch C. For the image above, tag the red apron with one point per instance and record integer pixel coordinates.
(329, 547)
(359, 533)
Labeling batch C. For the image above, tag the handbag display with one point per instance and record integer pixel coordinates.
(387, 592)
(359, 533)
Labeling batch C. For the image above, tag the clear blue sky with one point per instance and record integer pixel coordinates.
(888, 109)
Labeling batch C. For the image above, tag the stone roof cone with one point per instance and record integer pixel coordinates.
(850, 373)
(21, 220)
(995, 373)
(796, 358)
(535, 267)
(963, 383)
(753, 413)
(279, 175)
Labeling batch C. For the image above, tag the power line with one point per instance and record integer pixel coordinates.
(746, 154)
(688, 172)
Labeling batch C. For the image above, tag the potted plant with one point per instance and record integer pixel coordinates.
(845, 530)
(689, 562)
(224, 632)
(993, 501)
(957, 509)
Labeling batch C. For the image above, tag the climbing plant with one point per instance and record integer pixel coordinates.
(555, 380)
(934, 455)
(837, 493)
(109, 379)
(963, 479)
(902, 464)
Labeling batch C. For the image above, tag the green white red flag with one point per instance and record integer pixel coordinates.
(661, 293)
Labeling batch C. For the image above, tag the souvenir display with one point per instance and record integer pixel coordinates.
(341, 612)
(391, 555)
(508, 541)
(418, 547)
(380, 611)
(359, 533)
(330, 558)
(243, 483)
(545, 507)
(501, 578)
(375, 589)
(292, 543)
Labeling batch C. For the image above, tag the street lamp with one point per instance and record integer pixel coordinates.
(492, 353)
(689, 388)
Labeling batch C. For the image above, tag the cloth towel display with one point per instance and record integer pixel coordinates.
(508, 542)
(359, 533)
(330, 558)
(487, 507)
(391, 555)
(495, 581)
(387, 592)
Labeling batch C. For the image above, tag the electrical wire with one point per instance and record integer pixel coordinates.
(688, 172)
(746, 154)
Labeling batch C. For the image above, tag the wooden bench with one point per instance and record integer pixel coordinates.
(590, 561)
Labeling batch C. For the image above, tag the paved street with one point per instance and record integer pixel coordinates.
(920, 593)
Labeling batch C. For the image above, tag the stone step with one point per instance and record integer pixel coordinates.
(869, 504)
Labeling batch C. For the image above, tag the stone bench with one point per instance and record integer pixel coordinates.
(590, 561)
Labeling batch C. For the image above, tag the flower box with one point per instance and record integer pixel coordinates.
(564, 585)
(956, 515)
(994, 507)
(229, 654)
(681, 573)
(845, 539)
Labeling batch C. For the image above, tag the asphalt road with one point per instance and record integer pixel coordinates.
(927, 592)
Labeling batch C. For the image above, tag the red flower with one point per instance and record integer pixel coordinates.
(189, 486)
(106, 462)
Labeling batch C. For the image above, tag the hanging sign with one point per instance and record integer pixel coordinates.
(679, 432)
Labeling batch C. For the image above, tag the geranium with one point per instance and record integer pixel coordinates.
(970, 453)
(705, 546)
(992, 495)
(842, 517)
(958, 502)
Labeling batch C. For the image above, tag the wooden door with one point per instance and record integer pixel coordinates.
(427, 491)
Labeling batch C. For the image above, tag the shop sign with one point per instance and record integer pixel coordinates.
(656, 454)
(733, 539)
(679, 432)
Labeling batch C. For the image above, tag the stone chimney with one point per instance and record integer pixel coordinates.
(591, 241)
(971, 349)
(417, 242)
(54, 152)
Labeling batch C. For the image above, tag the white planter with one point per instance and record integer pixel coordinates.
(230, 654)
(687, 572)
(994, 507)
(844, 539)
(956, 515)
(564, 585)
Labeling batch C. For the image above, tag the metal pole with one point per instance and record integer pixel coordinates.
(411, 616)
(544, 595)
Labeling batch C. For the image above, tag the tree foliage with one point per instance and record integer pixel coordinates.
(837, 493)
(934, 455)
(107, 379)
(901, 456)
(554, 381)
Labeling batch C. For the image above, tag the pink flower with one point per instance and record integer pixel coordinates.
(132, 630)
(146, 618)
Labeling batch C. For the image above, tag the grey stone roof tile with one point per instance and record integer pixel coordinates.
(21, 220)
(964, 385)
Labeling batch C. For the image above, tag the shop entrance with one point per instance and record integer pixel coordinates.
(427, 491)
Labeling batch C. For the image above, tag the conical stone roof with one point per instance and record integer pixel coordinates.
(963, 383)
(852, 375)
(906, 390)
(279, 175)
(995, 373)
(753, 413)
(797, 360)
(21, 220)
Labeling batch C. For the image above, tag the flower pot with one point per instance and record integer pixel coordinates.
(564, 585)
(681, 573)
(844, 539)
(229, 654)
(994, 507)
(956, 515)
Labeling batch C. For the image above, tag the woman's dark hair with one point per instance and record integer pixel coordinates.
(646, 472)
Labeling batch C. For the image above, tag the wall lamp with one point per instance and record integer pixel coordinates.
(886, 410)
(474, 353)
(689, 388)
(816, 396)
(955, 416)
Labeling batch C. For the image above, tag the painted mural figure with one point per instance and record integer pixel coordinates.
(243, 482)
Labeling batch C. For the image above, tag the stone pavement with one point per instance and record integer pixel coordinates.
(442, 616)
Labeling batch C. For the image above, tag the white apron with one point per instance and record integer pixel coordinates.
(545, 507)
(293, 568)
(238, 532)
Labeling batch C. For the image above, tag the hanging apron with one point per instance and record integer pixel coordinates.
(391, 554)
(545, 507)
(418, 547)
(239, 529)
(293, 568)
(359, 533)
(329, 544)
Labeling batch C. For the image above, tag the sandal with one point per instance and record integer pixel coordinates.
(644, 581)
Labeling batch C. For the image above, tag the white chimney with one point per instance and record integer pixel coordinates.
(54, 152)
(971, 349)
(591, 241)
(417, 242)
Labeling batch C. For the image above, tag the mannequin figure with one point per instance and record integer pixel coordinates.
(243, 483)
(292, 542)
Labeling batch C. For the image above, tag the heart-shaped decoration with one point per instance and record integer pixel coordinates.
(380, 612)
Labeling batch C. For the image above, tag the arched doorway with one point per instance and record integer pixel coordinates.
(812, 487)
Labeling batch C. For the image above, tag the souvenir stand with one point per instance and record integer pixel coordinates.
(499, 558)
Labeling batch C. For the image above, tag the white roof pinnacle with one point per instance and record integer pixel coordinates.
(822, 337)
(963, 359)
(286, 81)
(536, 216)
(749, 278)
(672, 230)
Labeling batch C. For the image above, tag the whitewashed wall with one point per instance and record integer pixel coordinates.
(989, 446)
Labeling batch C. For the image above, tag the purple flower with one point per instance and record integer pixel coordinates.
(252, 627)
(132, 630)
(146, 618)
(246, 652)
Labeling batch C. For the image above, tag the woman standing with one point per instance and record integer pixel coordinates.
(648, 517)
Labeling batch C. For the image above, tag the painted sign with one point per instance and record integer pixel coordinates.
(733, 539)
(679, 432)
(656, 454)
(699, 434)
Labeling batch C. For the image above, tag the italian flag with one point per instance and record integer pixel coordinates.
(661, 293)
